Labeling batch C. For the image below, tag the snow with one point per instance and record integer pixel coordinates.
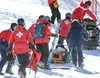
(10, 10)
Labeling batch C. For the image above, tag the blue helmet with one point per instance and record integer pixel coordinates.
(68, 15)
(21, 21)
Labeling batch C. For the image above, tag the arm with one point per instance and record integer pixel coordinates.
(68, 35)
(11, 41)
(30, 39)
(85, 34)
(89, 13)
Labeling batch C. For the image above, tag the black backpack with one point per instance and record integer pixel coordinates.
(38, 30)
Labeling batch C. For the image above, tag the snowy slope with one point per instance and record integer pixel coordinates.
(28, 9)
(11, 10)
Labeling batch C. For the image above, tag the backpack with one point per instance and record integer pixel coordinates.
(68, 57)
(38, 30)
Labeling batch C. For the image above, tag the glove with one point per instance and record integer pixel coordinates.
(55, 35)
(31, 46)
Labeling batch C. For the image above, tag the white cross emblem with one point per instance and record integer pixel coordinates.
(66, 21)
(19, 34)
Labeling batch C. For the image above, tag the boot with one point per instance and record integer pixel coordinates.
(2, 73)
(81, 65)
(75, 63)
(9, 72)
(41, 65)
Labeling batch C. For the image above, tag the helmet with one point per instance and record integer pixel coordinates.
(43, 19)
(13, 25)
(68, 14)
(46, 20)
(21, 21)
(41, 16)
(47, 17)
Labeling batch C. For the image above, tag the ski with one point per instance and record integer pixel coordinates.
(10, 77)
(61, 68)
(49, 72)
(53, 45)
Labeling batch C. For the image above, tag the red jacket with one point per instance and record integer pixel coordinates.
(65, 25)
(46, 31)
(6, 34)
(31, 30)
(20, 39)
(51, 1)
(81, 11)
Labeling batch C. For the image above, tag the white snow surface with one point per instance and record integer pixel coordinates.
(11, 10)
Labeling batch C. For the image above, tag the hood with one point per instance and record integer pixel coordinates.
(83, 5)
(19, 28)
(76, 24)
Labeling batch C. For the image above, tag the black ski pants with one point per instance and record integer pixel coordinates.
(61, 40)
(77, 55)
(44, 49)
(23, 60)
(55, 13)
(10, 64)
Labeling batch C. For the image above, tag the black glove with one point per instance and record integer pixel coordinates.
(31, 46)
(55, 35)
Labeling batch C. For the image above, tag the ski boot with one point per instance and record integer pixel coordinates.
(41, 65)
(2, 73)
(9, 72)
(81, 65)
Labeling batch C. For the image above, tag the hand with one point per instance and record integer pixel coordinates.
(85, 40)
(13, 53)
(95, 20)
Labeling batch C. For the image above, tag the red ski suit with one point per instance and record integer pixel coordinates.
(46, 32)
(6, 34)
(81, 11)
(65, 25)
(20, 39)
(34, 60)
